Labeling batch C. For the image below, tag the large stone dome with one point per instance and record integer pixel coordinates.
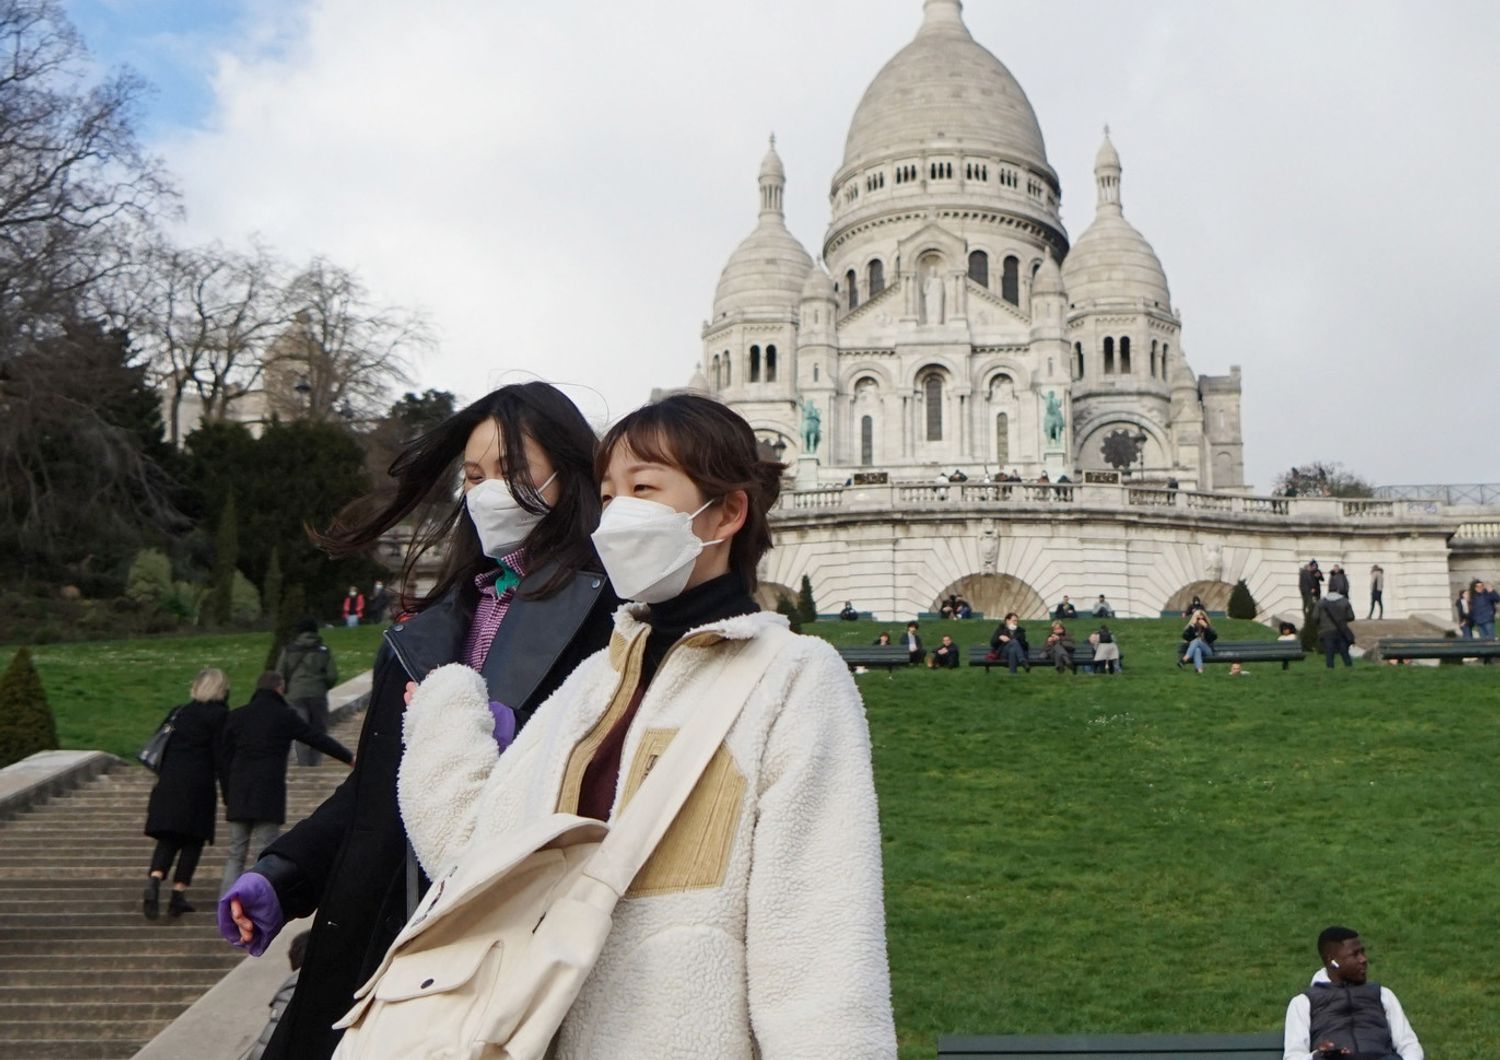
(944, 87)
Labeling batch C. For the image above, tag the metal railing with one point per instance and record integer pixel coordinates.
(1480, 494)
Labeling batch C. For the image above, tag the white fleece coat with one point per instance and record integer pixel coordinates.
(773, 943)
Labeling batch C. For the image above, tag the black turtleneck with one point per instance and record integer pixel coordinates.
(713, 601)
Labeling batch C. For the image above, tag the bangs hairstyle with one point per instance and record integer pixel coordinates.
(426, 483)
(712, 445)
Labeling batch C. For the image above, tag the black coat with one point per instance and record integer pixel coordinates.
(348, 860)
(185, 801)
(257, 738)
(1338, 582)
(1018, 634)
(1192, 633)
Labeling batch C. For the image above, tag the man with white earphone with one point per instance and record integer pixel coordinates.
(1344, 1016)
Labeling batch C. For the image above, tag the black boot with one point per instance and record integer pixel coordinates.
(179, 904)
(151, 898)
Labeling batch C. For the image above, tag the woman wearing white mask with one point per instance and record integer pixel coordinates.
(520, 601)
(756, 929)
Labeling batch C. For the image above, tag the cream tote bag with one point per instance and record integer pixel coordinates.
(498, 949)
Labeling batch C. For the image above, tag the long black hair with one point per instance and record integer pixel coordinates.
(425, 475)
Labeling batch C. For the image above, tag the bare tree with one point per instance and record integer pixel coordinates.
(73, 177)
(340, 352)
(208, 317)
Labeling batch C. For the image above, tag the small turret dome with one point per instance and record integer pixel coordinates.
(1112, 261)
(1048, 278)
(819, 285)
(766, 271)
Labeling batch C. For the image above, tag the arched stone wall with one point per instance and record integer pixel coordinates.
(995, 594)
(1215, 596)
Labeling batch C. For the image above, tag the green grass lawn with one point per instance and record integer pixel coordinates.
(111, 695)
(1154, 851)
(1157, 851)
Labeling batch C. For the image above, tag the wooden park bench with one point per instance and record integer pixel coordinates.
(1263, 1046)
(1252, 651)
(875, 656)
(1436, 648)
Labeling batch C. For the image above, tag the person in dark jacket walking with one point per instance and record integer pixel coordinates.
(257, 737)
(1377, 590)
(1335, 612)
(310, 673)
(184, 803)
(1483, 602)
(520, 598)
(1008, 644)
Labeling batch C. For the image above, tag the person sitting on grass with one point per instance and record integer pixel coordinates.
(848, 614)
(1344, 1016)
(914, 652)
(883, 640)
(944, 656)
(1059, 647)
(1106, 651)
(1236, 670)
(1198, 640)
(1008, 645)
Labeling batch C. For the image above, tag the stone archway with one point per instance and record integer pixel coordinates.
(1215, 596)
(767, 594)
(995, 594)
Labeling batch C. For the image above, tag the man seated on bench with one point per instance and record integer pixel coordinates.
(848, 614)
(1009, 646)
(914, 652)
(1065, 609)
(944, 656)
(1344, 1016)
(1059, 647)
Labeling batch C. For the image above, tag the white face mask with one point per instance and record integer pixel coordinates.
(501, 521)
(648, 549)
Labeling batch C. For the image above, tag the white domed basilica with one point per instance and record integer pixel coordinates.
(955, 326)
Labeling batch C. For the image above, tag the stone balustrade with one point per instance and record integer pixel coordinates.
(971, 496)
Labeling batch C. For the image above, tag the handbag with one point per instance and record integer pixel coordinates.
(496, 952)
(151, 754)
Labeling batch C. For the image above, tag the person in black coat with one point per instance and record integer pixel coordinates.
(184, 804)
(257, 738)
(1008, 645)
(349, 862)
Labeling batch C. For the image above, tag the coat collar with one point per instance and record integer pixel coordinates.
(633, 620)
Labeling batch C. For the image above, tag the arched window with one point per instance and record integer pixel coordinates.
(728, 370)
(877, 277)
(1164, 349)
(1002, 439)
(1109, 356)
(851, 282)
(866, 440)
(754, 364)
(1010, 281)
(1078, 354)
(770, 364)
(979, 268)
(932, 388)
(717, 370)
(1153, 358)
(815, 373)
(1125, 355)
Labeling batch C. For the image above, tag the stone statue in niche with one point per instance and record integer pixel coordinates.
(1054, 423)
(812, 427)
(989, 546)
(1213, 562)
(932, 297)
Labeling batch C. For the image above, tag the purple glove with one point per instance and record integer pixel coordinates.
(505, 724)
(261, 905)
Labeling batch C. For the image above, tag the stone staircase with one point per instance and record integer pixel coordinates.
(83, 973)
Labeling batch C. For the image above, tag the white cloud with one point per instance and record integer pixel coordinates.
(560, 184)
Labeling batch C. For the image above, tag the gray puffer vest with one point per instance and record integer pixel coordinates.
(1352, 1017)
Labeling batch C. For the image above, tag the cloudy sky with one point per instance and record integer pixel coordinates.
(558, 184)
